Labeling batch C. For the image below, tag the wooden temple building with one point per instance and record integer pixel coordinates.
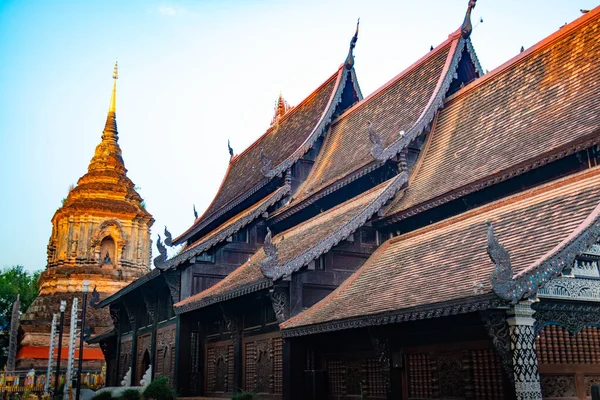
(101, 233)
(437, 239)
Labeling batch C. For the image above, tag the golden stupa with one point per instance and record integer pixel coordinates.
(100, 234)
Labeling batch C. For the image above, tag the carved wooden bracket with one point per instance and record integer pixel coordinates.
(497, 329)
(149, 302)
(232, 326)
(173, 280)
(281, 304)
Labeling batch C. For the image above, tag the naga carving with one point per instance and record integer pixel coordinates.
(161, 259)
(376, 141)
(271, 251)
(168, 237)
(527, 283)
(466, 27)
(502, 280)
(266, 163)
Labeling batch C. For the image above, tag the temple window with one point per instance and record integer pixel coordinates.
(107, 251)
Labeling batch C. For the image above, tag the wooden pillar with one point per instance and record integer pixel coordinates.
(153, 342)
(522, 344)
(236, 336)
(289, 386)
(133, 359)
(178, 379)
(117, 381)
(233, 325)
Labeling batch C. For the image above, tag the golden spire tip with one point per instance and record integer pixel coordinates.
(113, 97)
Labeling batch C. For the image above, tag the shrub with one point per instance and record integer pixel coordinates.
(130, 394)
(160, 389)
(243, 396)
(102, 396)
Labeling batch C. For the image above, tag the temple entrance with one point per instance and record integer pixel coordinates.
(145, 363)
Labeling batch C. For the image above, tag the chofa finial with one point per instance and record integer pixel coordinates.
(467, 28)
(230, 149)
(349, 63)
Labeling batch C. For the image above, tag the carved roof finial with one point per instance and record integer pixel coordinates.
(467, 28)
(281, 108)
(349, 63)
(230, 149)
(159, 261)
(195, 212)
(168, 237)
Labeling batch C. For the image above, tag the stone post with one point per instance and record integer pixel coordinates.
(51, 352)
(72, 339)
(14, 332)
(522, 346)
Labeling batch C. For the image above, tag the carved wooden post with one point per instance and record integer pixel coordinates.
(522, 345)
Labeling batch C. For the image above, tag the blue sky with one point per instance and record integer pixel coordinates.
(194, 74)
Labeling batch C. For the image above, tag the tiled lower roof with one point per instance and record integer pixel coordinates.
(229, 227)
(298, 246)
(542, 105)
(448, 261)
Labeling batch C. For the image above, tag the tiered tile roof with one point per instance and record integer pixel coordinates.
(537, 107)
(298, 246)
(413, 275)
(279, 147)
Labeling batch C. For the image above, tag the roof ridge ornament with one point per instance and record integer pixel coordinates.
(281, 108)
(230, 150)
(466, 27)
(349, 63)
(168, 238)
(160, 260)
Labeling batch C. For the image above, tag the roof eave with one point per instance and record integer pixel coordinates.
(428, 311)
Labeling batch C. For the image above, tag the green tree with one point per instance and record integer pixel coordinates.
(13, 281)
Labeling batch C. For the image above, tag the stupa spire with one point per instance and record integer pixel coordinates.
(110, 129)
(113, 98)
(108, 153)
